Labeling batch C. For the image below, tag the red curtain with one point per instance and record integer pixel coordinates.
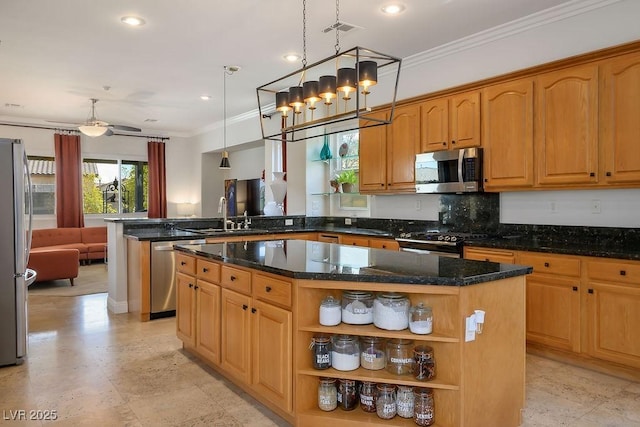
(157, 180)
(68, 181)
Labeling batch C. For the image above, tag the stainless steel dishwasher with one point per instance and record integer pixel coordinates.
(163, 277)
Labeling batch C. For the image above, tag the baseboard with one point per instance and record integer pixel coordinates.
(117, 307)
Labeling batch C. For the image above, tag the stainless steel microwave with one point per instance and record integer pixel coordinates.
(450, 171)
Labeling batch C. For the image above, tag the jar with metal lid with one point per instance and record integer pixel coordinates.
(424, 367)
(345, 353)
(330, 312)
(321, 351)
(372, 355)
(368, 394)
(421, 319)
(357, 307)
(386, 401)
(399, 356)
(391, 311)
(347, 394)
(423, 407)
(327, 394)
(404, 401)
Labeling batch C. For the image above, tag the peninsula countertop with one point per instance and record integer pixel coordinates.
(303, 259)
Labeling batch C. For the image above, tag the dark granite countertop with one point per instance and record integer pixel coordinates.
(303, 259)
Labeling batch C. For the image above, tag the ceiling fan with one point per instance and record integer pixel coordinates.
(94, 127)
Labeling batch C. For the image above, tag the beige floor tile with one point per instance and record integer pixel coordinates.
(173, 407)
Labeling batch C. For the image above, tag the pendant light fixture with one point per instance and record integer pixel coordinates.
(228, 70)
(348, 75)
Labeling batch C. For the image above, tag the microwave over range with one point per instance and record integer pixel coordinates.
(450, 171)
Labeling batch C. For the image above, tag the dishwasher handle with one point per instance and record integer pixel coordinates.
(169, 245)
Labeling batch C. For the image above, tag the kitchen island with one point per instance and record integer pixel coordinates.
(250, 310)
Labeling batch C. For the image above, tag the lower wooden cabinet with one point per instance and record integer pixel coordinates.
(186, 308)
(493, 255)
(208, 320)
(236, 338)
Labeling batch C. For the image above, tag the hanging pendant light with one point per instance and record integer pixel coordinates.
(282, 103)
(296, 99)
(346, 82)
(228, 69)
(367, 77)
(327, 88)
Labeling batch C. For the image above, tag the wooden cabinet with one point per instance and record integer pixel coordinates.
(208, 320)
(613, 311)
(452, 122)
(352, 240)
(507, 135)
(186, 308)
(566, 126)
(236, 334)
(387, 153)
(493, 255)
(619, 127)
(389, 244)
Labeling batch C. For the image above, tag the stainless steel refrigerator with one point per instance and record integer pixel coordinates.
(15, 241)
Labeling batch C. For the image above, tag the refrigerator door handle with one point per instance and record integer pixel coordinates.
(29, 200)
(30, 277)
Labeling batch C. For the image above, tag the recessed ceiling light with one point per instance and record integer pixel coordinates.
(134, 21)
(393, 8)
(150, 120)
(292, 57)
(205, 97)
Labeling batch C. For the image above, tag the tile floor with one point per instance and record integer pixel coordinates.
(99, 369)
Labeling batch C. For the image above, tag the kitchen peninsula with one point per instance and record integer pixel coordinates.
(250, 310)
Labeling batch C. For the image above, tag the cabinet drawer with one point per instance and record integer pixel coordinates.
(354, 241)
(551, 264)
(207, 270)
(236, 279)
(185, 264)
(273, 290)
(389, 244)
(493, 255)
(625, 272)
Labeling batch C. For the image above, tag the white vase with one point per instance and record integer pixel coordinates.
(279, 190)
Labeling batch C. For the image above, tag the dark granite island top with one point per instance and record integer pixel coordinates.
(303, 259)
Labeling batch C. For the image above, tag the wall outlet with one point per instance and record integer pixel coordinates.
(288, 222)
(347, 221)
(418, 205)
(553, 206)
(595, 206)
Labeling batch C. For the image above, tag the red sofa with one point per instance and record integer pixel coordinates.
(54, 264)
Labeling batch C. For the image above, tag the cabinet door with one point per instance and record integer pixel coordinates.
(402, 145)
(435, 125)
(373, 156)
(613, 319)
(620, 127)
(493, 255)
(465, 120)
(208, 320)
(185, 308)
(235, 334)
(272, 354)
(553, 312)
(507, 135)
(567, 126)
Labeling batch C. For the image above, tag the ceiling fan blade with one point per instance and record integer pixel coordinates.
(125, 128)
(65, 123)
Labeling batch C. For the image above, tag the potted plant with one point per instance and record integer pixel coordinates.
(347, 178)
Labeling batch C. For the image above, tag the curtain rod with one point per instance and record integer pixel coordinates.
(162, 138)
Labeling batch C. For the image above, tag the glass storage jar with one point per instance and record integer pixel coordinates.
(399, 356)
(345, 353)
(321, 351)
(357, 307)
(368, 393)
(330, 312)
(391, 311)
(421, 319)
(424, 367)
(347, 394)
(423, 407)
(386, 401)
(404, 401)
(372, 353)
(327, 394)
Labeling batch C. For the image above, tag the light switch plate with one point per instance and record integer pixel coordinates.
(470, 330)
(288, 222)
(347, 221)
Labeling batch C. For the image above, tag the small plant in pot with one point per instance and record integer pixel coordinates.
(348, 179)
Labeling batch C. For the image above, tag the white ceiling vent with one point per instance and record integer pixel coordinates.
(341, 26)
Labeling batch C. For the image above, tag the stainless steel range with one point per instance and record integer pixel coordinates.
(435, 242)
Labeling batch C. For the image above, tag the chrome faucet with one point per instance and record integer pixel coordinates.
(222, 208)
(247, 221)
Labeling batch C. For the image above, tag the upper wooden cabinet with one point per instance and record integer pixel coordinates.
(387, 153)
(452, 122)
(619, 119)
(507, 135)
(566, 126)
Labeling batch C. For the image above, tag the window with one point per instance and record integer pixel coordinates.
(43, 184)
(348, 144)
(114, 186)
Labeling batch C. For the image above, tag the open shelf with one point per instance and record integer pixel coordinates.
(379, 376)
(372, 330)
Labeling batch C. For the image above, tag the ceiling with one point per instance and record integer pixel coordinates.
(55, 55)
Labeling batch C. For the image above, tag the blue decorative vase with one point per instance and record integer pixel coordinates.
(325, 153)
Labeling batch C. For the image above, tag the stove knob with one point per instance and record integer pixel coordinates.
(454, 238)
(440, 237)
(447, 238)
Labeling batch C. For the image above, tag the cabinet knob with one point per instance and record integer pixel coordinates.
(245, 306)
(546, 264)
(486, 180)
(381, 185)
(183, 263)
(195, 287)
(205, 269)
(453, 142)
(608, 173)
(590, 291)
(575, 288)
(623, 272)
(268, 289)
(592, 174)
(384, 246)
(191, 285)
(233, 278)
(444, 143)
(253, 310)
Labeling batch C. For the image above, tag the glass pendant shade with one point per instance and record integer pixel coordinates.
(93, 130)
(224, 163)
(282, 102)
(296, 100)
(310, 92)
(367, 74)
(327, 88)
(346, 80)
